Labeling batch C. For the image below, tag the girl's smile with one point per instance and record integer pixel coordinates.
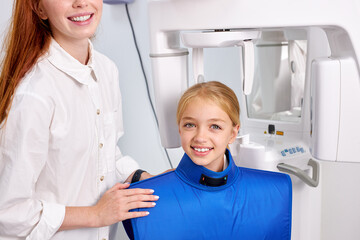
(201, 151)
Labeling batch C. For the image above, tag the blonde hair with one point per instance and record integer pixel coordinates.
(216, 92)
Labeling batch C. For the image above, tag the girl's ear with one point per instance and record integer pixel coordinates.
(234, 133)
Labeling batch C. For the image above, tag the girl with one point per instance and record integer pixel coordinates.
(60, 115)
(206, 134)
(208, 196)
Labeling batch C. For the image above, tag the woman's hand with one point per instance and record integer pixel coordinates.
(115, 204)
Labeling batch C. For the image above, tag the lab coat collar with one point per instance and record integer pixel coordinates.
(191, 173)
(62, 60)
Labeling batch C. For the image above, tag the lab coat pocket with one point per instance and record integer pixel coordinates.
(110, 139)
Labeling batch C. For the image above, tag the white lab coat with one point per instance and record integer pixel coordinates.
(59, 146)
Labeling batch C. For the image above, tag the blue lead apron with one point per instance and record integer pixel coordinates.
(196, 203)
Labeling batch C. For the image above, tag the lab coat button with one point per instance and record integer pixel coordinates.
(102, 178)
(98, 111)
(101, 145)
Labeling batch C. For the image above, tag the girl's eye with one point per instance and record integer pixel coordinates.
(214, 126)
(189, 125)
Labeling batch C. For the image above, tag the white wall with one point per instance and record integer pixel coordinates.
(114, 39)
(5, 14)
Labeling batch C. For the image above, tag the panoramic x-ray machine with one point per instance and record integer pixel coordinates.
(300, 96)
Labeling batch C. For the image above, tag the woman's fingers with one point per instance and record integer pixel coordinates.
(142, 198)
(137, 191)
(129, 192)
(115, 204)
(139, 198)
(130, 215)
(135, 205)
(118, 186)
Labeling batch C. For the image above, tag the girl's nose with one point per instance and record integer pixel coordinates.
(200, 136)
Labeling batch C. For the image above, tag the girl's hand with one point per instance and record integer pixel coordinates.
(115, 204)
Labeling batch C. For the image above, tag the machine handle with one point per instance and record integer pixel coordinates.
(248, 65)
(198, 64)
(312, 182)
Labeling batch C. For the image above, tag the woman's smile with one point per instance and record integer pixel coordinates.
(81, 18)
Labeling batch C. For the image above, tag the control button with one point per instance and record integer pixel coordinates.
(102, 178)
(271, 129)
(280, 133)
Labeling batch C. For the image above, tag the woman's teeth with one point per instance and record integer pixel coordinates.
(80, 19)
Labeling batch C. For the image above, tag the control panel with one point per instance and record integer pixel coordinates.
(292, 151)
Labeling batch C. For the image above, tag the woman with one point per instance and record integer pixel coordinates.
(60, 114)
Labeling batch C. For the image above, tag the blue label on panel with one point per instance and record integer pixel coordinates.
(292, 150)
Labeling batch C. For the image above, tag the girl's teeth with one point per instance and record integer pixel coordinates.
(80, 19)
(201, 149)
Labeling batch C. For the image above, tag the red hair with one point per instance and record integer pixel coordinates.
(28, 38)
